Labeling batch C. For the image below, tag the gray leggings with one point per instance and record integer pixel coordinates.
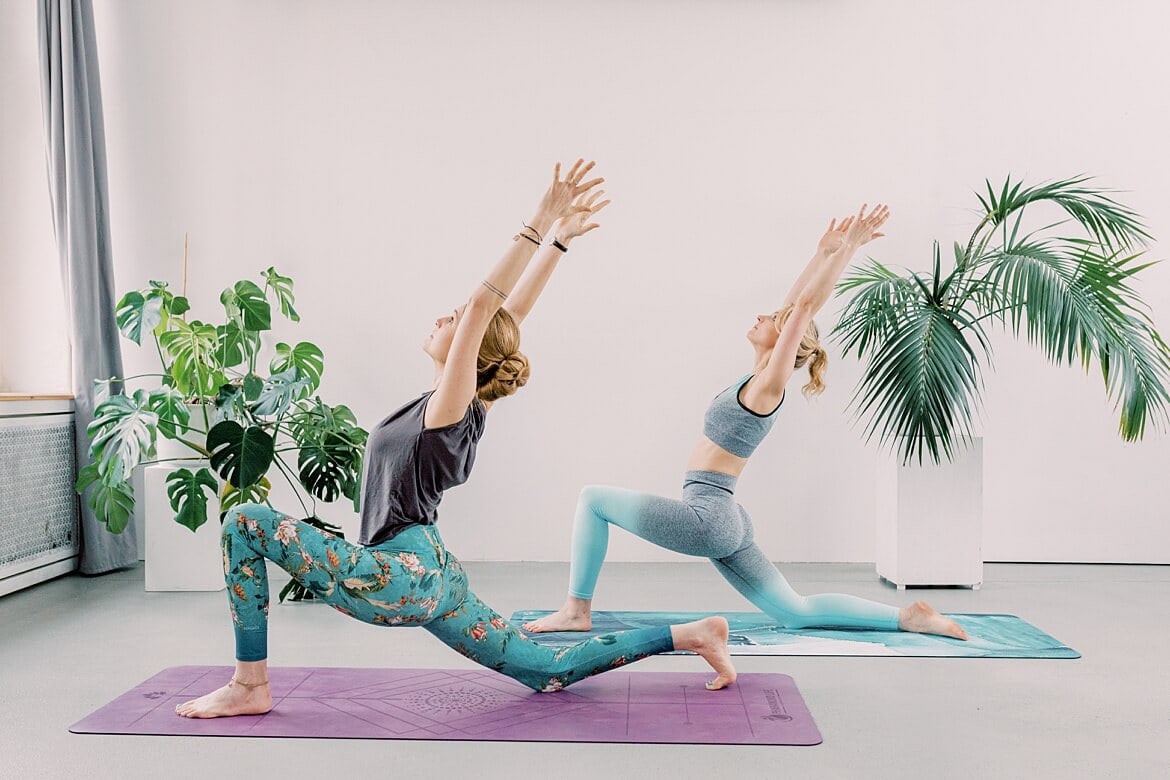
(708, 522)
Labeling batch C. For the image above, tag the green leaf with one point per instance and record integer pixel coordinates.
(101, 390)
(280, 391)
(113, 505)
(138, 315)
(253, 386)
(874, 311)
(920, 385)
(332, 447)
(232, 497)
(192, 346)
(306, 357)
(246, 304)
(326, 468)
(123, 431)
(320, 422)
(283, 287)
(86, 477)
(229, 403)
(185, 490)
(179, 306)
(1111, 224)
(234, 345)
(1076, 304)
(240, 455)
(174, 418)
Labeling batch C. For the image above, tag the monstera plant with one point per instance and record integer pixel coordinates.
(254, 427)
(924, 337)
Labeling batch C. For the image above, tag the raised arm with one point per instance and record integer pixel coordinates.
(532, 284)
(847, 238)
(457, 386)
(830, 242)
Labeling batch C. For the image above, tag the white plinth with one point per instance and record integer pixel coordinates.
(930, 520)
(176, 558)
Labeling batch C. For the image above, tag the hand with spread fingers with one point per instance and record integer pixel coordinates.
(577, 223)
(834, 237)
(561, 199)
(864, 228)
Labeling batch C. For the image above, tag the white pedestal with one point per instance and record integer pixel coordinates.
(930, 520)
(166, 448)
(176, 558)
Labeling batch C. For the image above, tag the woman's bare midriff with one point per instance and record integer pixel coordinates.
(709, 456)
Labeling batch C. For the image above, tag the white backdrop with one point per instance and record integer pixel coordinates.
(382, 154)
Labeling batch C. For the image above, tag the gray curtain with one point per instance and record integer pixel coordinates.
(75, 142)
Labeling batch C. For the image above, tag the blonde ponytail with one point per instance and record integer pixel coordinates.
(810, 351)
(816, 372)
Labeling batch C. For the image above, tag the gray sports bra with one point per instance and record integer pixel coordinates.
(733, 426)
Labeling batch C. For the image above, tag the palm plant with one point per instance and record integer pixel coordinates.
(924, 336)
(252, 422)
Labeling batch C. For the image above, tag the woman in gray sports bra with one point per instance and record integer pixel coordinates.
(707, 521)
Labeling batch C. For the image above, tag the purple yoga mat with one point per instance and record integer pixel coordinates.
(474, 704)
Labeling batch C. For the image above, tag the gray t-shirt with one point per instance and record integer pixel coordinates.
(408, 466)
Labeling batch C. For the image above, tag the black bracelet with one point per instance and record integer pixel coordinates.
(534, 230)
(525, 236)
(557, 243)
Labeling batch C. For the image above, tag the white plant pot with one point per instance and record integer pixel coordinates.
(930, 520)
(168, 448)
(164, 449)
(176, 558)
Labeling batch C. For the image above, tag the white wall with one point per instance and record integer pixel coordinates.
(34, 352)
(383, 154)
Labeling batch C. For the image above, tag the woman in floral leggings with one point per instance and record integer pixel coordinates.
(400, 573)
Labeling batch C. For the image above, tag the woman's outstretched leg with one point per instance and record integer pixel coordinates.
(760, 582)
(476, 631)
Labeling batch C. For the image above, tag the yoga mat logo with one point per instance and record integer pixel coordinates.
(772, 696)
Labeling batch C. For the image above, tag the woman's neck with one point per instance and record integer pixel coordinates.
(762, 357)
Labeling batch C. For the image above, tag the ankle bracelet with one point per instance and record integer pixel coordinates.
(236, 681)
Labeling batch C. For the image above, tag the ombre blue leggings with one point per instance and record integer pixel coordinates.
(709, 523)
(410, 580)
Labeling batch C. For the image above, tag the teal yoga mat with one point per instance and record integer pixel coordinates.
(752, 633)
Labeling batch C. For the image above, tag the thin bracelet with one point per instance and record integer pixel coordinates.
(557, 243)
(534, 230)
(495, 289)
(526, 237)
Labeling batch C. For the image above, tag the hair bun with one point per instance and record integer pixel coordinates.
(513, 368)
(501, 368)
(504, 377)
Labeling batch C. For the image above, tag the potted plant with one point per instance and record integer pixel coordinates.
(924, 340)
(212, 398)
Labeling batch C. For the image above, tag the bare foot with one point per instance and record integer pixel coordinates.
(232, 699)
(707, 638)
(921, 618)
(575, 615)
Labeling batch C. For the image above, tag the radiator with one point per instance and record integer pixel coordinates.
(38, 508)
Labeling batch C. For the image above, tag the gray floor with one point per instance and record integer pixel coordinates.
(71, 645)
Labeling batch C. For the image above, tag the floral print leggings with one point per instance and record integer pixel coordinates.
(410, 580)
